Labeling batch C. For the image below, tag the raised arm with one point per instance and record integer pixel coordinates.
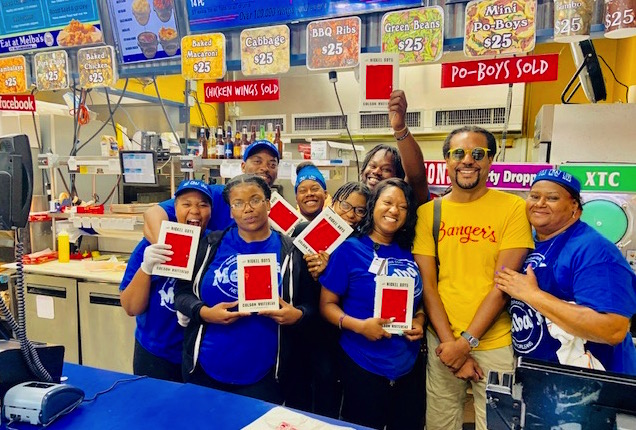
(153, 217)
(410, 151)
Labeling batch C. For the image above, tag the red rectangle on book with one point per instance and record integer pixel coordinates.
(281, 214)
(322, 236)
(258, 283)
(379, 82)
(181, 245)
(394, 304)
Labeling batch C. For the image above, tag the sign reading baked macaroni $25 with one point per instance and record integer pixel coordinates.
(495, 27)
(203, 56)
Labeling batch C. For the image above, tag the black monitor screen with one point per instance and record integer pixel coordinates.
(138, 167)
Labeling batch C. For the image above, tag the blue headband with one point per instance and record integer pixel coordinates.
(310, 173)
(560, 177)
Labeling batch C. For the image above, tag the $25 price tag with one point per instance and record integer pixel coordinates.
(203, 56)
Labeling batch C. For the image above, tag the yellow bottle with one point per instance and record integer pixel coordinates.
(63, 247)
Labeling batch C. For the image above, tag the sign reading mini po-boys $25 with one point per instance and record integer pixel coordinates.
(203, 56)
(496, 27)
(417, 35)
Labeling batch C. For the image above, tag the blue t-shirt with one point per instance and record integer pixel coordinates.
(583, 267)
(157, 328)
(348, 276)
(220, 218)
(244, 351)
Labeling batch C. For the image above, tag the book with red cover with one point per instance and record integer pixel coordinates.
(394, 297)
(325, 233)
(257, 282)
(184, 240)
(282, 215)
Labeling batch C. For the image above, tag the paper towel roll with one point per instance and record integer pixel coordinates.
(631, 94)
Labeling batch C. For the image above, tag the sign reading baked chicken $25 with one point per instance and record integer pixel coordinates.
(496, 27)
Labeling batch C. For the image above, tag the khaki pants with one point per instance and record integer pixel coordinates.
(446, 394)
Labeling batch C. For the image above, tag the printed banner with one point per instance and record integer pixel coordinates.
(13, 75)
(203, 56)
(23, 103)
(184, 240)
(333, 44)
(503, 176)
(265, 50)
(241, 91)
(51, 70)
(34, 24)
(604, 177)
(97, 67)
(417, 35)
(496, 27)
(531, 68)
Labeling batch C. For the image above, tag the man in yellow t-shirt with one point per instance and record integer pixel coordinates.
(481, 230)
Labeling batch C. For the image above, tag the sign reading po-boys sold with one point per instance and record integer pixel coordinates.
(496, 27)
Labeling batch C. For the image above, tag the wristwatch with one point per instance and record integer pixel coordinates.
(472, 340)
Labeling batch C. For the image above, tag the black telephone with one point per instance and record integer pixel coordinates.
(16, 181)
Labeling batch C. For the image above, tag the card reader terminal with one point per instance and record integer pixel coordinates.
(39, 403)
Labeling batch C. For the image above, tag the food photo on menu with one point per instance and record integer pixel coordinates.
(146, 29)
(78, 34)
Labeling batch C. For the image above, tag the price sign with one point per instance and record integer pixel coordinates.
(203, 56)
(13, 75)
(572, 19)
(620, 18)
(417, 35)
(333, 43)
(265, 50)
(51, 70)
(495, 27)
(97, 67)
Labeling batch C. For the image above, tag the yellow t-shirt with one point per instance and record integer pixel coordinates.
(470, 238)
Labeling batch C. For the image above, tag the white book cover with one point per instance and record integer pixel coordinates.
(325, 233)
(394, 296)
(282, 215)
(184, 240)
(257, 282)
(280, 418)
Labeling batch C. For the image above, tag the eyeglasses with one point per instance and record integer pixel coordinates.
(255, 203)
(458, 154)
(346, 207)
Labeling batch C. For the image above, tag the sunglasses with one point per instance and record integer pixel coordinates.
(458, 154)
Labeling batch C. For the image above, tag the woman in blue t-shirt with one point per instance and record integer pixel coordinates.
(241, 352)
(574, 304)
(381, 383)
(158, 337)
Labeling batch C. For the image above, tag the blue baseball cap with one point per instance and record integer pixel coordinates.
(560, 177)
(260, 145)
(310, 172)
(196, 185)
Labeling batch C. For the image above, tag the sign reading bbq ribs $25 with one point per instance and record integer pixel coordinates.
(496, 27)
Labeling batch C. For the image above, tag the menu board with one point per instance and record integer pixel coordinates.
(416, 34)
(496, 27)
(203, 56)
(265, 50)
(214, 15)
(145, 29)
(97, 67)
(51, 70)
(37, 24)
(13, 75)
(333, 43)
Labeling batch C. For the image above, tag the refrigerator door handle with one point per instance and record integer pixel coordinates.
(47, 291)
(104, 299)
